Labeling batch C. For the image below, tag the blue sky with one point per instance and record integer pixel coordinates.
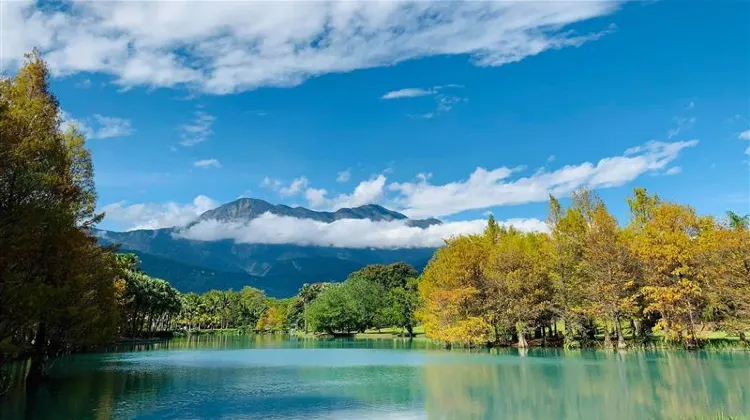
(217, 104)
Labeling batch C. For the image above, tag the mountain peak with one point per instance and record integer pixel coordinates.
(245, 209)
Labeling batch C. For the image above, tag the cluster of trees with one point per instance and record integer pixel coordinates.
(223, 309)
(668, 269)
(57, 289)
(376, 296)
(145, 304)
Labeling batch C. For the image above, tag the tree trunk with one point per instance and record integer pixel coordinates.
(522, 344)
(742, 336)
(410, 330)
(694, 340)
(38, 358)
(306, 330)
(150, 328)
(620, 338)
(607, 339)
(634, 330)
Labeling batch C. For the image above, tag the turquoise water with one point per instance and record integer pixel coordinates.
(277, 378)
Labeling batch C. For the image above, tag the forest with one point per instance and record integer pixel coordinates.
(668, 271)
(589, 281)
(149, 307)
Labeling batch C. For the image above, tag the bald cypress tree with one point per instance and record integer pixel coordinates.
(56, 283)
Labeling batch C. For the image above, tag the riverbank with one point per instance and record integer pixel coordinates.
(709, 340)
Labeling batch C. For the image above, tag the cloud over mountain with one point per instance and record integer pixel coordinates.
(345, 233)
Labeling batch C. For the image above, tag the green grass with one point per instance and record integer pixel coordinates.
(721, 416)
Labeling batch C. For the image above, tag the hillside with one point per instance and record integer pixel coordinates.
(197, 266)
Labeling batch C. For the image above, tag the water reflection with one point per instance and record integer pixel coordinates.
(635, 385)
(277, 378)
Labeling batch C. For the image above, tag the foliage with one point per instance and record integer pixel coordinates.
(57, 286)
(376, 296)
(146, 304)
(668, 269)
(274, 319)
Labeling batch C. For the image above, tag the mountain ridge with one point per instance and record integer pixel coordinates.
(280, 269)
(246, 209)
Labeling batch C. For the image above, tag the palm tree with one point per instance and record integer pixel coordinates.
(738, 222)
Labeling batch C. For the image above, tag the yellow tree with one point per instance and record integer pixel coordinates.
(449, 290)
(725, 253)
(518, 288)
(669, 250)
(642, 206)
(568, 229)
(609, 267)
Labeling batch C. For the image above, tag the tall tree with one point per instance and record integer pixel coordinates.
(517, 283)
(450, 289)
(670, 255)
(50, 267)
(610, 268)
(568, 230)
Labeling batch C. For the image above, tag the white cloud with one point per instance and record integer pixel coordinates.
(347, 233)
(681, 124)
(551, 158)
(296, 187)
(84, 84)
(344, 175)
(443, 102)
(408, 93)
(367, 192)
(673, 170)
(155, 216)
(207, 163)
(316, 197)
(425, 116)
(231, 46)
(68, 120)
(273, 184)
(198, 131)
(98, 126)
(745, 135)
(487, 188)
(111, 127)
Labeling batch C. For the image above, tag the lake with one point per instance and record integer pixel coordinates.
(266, 377)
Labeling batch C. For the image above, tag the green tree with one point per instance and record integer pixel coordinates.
(334, 311)
(53, 275)
(738, 222)
(388, 276)
(402, 306)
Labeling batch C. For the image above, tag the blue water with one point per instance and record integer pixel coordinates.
(277, 378)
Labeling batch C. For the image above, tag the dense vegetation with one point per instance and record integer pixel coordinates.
(668, 270)
(57, 289)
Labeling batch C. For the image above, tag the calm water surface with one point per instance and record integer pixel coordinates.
(277, 378)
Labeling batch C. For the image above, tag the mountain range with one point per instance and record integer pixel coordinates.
(279, 269)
